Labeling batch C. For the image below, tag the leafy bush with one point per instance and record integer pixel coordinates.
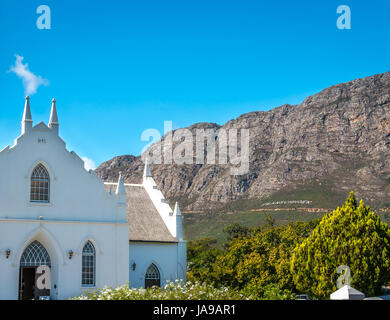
(274, 262)
(262, 258)
(201, 255)
(235, 230)
(273, 292)
(351, 235)
(172, 291)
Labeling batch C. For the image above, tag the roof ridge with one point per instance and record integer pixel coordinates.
(126, 184)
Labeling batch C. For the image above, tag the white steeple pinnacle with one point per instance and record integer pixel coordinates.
(147, 173)
(179, 222)
(27, 120)
(27, 110)
(177, 211)
(53, 122)
(120, 189)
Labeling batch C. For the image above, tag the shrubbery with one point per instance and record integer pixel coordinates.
(277, 262)
(172, 291)
(201, 256)
(260, 260)
(353, 236)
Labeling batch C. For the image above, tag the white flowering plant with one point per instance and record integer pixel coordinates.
(178, 290)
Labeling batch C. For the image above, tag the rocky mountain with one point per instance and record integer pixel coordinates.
(335, 141)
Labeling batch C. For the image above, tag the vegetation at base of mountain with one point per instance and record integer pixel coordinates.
(352, 236)
(197, 226)
(201, 256)
(277, 262)
(235, 230)
(261, 258)
(255, 262)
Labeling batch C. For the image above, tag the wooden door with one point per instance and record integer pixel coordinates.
(27, 283)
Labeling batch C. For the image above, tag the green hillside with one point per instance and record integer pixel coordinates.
(203, 225)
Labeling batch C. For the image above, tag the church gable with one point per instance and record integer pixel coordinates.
(56, 215)
(149, 215)
(41, 127)
(70, 192)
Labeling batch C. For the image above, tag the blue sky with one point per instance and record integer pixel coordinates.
(117, 67)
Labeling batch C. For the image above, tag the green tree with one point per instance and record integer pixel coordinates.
(259, 259)
(201, 255)
(235, 230)
(351, 235)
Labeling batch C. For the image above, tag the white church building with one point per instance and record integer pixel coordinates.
(63, 230)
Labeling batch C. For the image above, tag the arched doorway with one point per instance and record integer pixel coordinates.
(34, 255)
(152, 276)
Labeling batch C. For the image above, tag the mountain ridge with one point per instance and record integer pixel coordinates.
(334, 141)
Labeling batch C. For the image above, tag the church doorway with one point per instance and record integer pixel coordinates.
(27, 276)
(34, 255)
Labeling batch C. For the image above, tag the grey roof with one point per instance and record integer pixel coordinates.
(145, 222)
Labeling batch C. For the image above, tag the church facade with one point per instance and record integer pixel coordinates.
(63, 230)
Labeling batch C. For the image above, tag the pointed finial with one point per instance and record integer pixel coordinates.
(27, 120)
(53, 114)
(27, 110)
(177, 211)
(147, 172)
(120, 189)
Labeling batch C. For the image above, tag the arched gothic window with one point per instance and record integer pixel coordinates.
(152, 276)
(88, 265)
(40, 184)
(35, 255)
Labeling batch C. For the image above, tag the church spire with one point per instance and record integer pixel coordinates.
(27, 120)
(120, 189)
(53, 122)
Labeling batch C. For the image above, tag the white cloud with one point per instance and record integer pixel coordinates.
(31, 82)
(89, 164)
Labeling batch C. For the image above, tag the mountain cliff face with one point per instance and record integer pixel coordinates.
(335, 141)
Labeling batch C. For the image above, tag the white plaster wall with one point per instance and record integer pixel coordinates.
(182, 260)
(110, 241)
(166, 256)
(79, 209)
(75, 194)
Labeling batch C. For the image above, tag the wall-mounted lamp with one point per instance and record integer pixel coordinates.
(133, 265)
(70, 253)
(7, 253)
